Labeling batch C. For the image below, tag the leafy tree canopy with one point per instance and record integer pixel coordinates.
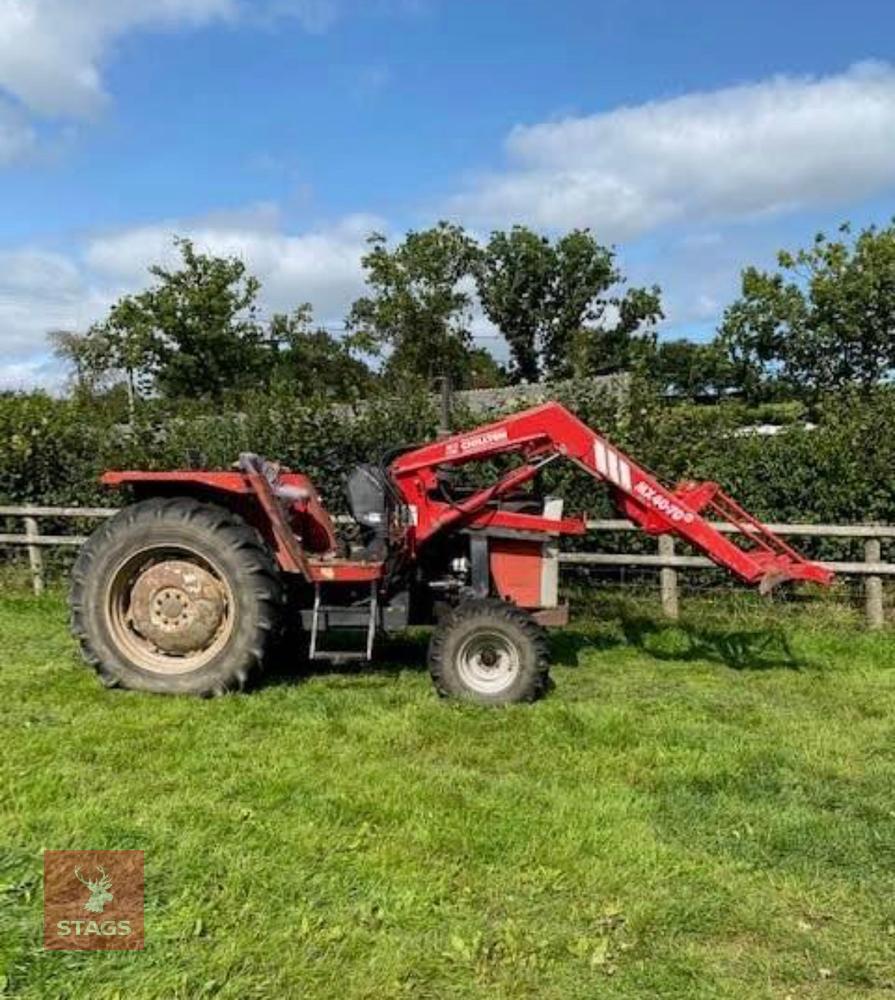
(689, 370)
(418, 311)
(311, 362)
(195, 333)
(560, 305)
(825, 320)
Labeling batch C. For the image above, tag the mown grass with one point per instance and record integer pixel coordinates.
(700, 810)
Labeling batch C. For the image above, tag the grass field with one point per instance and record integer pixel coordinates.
(701, 810)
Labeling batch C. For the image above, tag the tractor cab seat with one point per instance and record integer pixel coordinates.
(370, 500)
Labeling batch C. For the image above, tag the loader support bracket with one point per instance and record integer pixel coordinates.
(480, 569)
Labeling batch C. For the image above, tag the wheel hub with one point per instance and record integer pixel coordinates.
(488, 663)
(177, 606)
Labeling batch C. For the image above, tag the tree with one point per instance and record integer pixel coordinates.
(127, 342)
(690, 370)
(202, 318)
(311, 362)
(194, 333)
(118, 348)
(514, 277)
(559, 305)
(95, 380)
(594, 328)
(89, 373)
(825, 320)
(485, 372)
(420, 303)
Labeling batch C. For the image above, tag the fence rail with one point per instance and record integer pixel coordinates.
(669, 564)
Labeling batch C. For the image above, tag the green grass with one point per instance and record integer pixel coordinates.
(701, 810)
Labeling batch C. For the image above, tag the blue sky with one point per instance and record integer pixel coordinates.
(697, 136)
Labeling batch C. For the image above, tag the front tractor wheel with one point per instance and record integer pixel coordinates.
(177, 597)
(490, 652)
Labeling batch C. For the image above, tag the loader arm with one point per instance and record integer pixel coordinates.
(549, 431)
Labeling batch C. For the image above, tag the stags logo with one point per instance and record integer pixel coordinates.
(81, 910)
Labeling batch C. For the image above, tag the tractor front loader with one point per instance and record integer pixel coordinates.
(188, 588)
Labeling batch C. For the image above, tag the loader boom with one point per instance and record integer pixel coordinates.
(550, 431)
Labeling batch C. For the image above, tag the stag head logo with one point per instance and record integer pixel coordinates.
(99, 890)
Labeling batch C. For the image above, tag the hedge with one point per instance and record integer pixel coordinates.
(53, 451)
(842, 470)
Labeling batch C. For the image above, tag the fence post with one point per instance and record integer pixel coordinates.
(668, 578)
(873, 585)
(35, 556)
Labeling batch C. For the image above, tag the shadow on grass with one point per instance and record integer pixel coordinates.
(675, 642)
(392, 656)
(684, 642)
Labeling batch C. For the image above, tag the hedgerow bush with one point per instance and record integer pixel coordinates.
(838, 470)
(53, 451)
(841, 470)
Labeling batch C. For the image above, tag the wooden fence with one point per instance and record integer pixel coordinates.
(666, 561)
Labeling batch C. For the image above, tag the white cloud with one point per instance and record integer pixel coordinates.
(35, 373)
(321, 266)
(710, 157)
(782, 144)
(51, 51)
(42, 290)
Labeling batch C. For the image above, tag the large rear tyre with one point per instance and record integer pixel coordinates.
(489, 652)
(177, 597)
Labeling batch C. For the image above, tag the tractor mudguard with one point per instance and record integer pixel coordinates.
(302, 511)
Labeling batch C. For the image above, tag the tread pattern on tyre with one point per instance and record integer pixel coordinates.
(262, 586)
(535, 680)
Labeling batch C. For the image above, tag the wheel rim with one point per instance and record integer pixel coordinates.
(488, 662)
(169, 609)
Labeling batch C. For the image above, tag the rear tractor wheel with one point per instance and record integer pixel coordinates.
(177, 597)
(490, 652)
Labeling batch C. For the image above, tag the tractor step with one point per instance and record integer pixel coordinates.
(342, 655)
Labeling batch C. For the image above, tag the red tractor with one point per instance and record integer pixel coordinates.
(187, 589)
